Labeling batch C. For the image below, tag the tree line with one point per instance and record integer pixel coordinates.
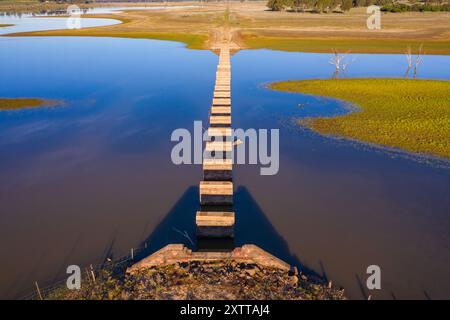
(345, 5)
(419, 7)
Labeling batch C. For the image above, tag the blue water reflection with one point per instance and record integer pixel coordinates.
(95, 173)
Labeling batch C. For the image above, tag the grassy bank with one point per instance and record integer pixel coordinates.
(5, 25)
(17, 103)
(192, 41)
(413, 115)
(297, 44)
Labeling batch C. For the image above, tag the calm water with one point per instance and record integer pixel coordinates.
(94, 177)
(106, 10)
(28, 23)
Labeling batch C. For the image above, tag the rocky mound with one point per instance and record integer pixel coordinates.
(206, 280)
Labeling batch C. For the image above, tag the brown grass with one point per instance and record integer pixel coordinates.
(253, 27)
(256, 28)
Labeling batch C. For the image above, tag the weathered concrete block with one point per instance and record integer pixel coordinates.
(223, 74)
(219, 146)
(217, 169)
(221, 102)
(216, 193)
(218, 149)
(223, 82)
(223, 67)
(176, 253)
(215, 224)
(225, 88)
(215, 232)
(222, 94)
(220, 121)
(219, 175)
(220, 134)
(220, 111)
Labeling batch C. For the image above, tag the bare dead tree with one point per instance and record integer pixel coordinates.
(340, 62)
(336, 61)
(418, 60)
(347, 62)
(408, 60)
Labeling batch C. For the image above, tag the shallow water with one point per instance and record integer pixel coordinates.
(106, 10)
(93, 10)
(29, 23)
(340, 206)
(93, 177)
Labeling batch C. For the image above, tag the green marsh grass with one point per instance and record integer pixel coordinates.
(256, 41)
(17, 103)
(413, 115)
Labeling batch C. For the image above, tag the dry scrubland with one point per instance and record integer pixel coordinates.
(253, 26)
(345, 32)
(410, 114)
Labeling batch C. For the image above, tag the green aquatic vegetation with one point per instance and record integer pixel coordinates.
(17, 103)
(253, 40)
(192, 41)
(413, 115)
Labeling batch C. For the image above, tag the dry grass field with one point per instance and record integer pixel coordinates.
(252, 26)
(256, 28)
